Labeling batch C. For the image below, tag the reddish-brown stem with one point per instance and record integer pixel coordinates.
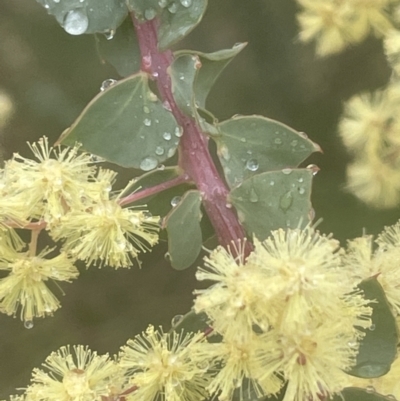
(144, 193)
(194, 156)
(37, 225)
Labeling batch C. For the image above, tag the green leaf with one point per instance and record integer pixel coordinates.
(178, 19)
(212, 64)
(122, 50)
(272, 200)
(87, 16)
(378, 348)
(127, 125)
(359, 394)
(249, 145)
(184, 232)
(183, 72)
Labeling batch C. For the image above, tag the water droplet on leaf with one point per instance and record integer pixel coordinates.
(253, 197)
(186, 3)
(175, 200)
(286, 171)
(159, 150)
(147, 122)
(107, 84)
(167, 136)
(278, 141)
(369, 370)
(286, 201)
(173, 8)
(146, 109)
(148, 163)
(372, 327)
(302, 191)
(370, 389)
(178, 132)
(163, 3)
(109, 34)
(76, 22)
(252, 165)
(314, 168)
(150, 13)
(272, 183)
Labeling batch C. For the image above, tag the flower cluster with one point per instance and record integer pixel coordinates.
(337, 24)
(370, 129)
(64, 192)
(287, 312)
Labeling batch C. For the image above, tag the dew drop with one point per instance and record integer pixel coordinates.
(243, 139)
(286, 171)
(150, 13)
(303, 135)
(294, 142)
(314, 168)
(76, 22)
(28, 324)
(369, 370)
(272, 183)
(146, 109)
(252, 165)
(253, 197)
(300, 179)
(278, 141)
(147, 122)
(178, 132)
(175, 200)
(372, 327)
(148, 163)
(186, 3)
(171, 152)
(109, 34)
(159, 150)
(161, 167)
(56, 1)
(107, 84)
(167, 136)
(370, 389)
(302, 190)
(167, 106)
(257, 329)
(176, 320)
(173, 8)
(163, 3)
(286, 201)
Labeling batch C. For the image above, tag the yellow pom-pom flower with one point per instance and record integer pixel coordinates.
(81, 375)
(25, 285)
(166, 367)
(107, 233)
(292, 295)
(48, 187)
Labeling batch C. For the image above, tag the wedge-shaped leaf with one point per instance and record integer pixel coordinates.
(87, 16)
(212, 64)
(178, 19)
(273, 200)
(378, 347)
(122, 50)
(250, 145)
(359, 394)
(183, 73)
(127, 125)
(184, 232)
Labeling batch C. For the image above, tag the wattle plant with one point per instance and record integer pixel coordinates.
(290, 315)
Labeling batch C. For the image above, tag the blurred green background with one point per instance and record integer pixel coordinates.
(50, 76)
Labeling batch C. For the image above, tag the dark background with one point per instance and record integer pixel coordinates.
(50, 77)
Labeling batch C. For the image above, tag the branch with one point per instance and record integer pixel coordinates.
(194, 156)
